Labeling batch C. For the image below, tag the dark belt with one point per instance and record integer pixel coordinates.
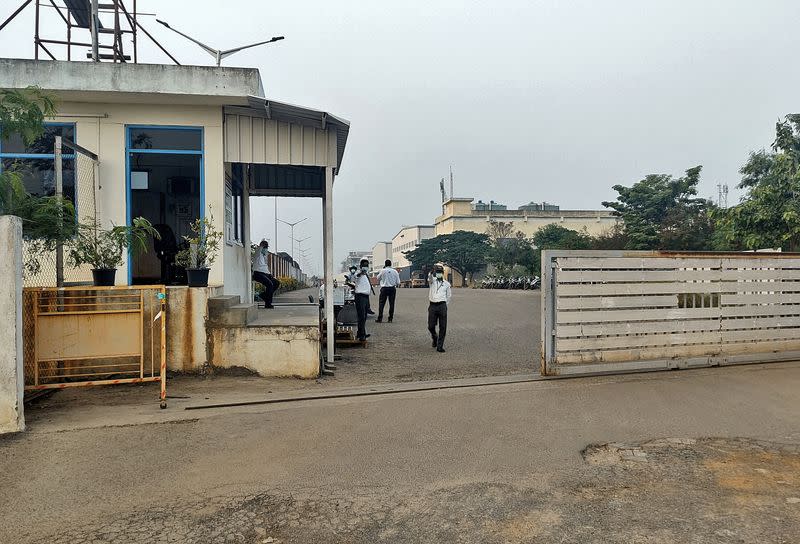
(438, 303)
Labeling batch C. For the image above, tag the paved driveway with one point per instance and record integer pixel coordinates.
(490, 333)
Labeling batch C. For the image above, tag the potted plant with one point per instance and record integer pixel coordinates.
(202, 251)
(102, 249)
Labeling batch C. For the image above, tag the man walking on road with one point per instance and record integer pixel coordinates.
(389, 280)
(439, 296)
(363, 289)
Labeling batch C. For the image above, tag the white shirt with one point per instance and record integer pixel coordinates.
(439, 290)
(260, 262)
(363, 287)
(389, 277)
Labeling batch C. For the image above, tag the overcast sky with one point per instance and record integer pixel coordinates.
(532, 100)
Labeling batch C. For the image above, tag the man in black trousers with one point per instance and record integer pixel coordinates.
(389, 280)
(438, 296)
(363, 288)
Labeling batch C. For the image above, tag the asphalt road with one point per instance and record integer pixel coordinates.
(514, 463)
(490, 333)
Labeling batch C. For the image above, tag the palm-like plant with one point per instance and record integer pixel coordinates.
(102, 249)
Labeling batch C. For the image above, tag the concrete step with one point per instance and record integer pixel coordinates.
(238, 315)
(221, 303)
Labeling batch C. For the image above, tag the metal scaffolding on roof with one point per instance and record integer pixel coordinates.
(109, 29)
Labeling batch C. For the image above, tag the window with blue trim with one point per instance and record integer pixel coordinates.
(35, 162)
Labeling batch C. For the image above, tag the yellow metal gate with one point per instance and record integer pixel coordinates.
(81, 336)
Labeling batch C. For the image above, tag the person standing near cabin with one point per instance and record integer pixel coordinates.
(262, 274)
(389, 280)
(350, 279)
(439, 297)
(363, 288)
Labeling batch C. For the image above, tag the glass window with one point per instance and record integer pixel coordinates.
(234, 217)
(44, 145)
(166, 138)
(39, 176)
(38, 173)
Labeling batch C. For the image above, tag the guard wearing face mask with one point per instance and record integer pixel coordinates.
(438, 296)
(350, 279)
(362, 288)
(262, 275)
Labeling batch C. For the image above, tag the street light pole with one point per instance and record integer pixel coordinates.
(291, 226)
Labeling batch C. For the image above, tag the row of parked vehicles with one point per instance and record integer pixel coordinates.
(503, 282)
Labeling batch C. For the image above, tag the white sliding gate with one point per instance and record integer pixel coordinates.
(609, 311)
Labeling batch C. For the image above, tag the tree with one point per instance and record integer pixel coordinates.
(46, 220)
(499, 230)
(662, 212)
(464, 251)
(508, 249)
(554, 236)
(613, 238)
(769, 214)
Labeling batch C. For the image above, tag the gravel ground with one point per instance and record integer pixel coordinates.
(490, 333)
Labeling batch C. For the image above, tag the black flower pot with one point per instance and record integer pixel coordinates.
(103, 277)
(197, 277)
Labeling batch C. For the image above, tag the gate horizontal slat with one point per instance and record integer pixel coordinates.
(654, 288)
(637, 341)
(770, 309)
(605, 316)
(632, 301)
(636, 327)
(761, 299)
(633, 263)
(641, 275)
(760, 322)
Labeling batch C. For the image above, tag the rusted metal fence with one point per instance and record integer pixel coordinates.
(80, 336)
(605, 311)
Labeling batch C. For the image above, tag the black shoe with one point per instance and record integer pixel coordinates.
(440, 350)
(379, 320)
(435, 342)
(269, 306)
(364, 338)
(390, 320)
(370, 312)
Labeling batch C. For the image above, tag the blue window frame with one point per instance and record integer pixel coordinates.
(163, 140)
(36, 161)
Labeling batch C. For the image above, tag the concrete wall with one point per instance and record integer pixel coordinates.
(101, 129)
(288, 351)
(187, 314)
(133, 82)
(12, 381)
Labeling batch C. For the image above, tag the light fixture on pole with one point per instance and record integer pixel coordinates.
(300, 241)
(291, 226)
(219, 54)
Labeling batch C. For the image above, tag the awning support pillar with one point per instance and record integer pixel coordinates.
(327, 250)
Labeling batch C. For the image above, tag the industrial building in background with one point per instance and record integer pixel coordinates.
(465, 214)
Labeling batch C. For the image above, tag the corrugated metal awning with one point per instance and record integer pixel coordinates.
(296, 115)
